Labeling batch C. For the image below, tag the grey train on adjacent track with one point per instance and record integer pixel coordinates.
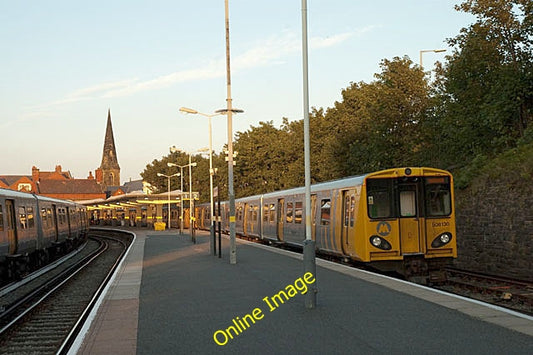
(36, 229)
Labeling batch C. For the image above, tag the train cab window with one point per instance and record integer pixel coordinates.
(298, 210)
(22, 217)
(289, 214)
(1, 219)
(325, 211)
(31, 220)
(438, 197)
(380, 199)
(408, 203)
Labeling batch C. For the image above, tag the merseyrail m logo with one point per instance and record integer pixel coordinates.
(383, 229)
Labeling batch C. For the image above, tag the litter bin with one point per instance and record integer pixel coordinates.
(159, 226)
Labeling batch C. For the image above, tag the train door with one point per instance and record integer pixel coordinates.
(68, 222)
(133, 218)
(409, 218)
(246, 219)
(11, 227)
(281, 218)
(56, 225)
(313, 217)
(348, 220)
(324, 224)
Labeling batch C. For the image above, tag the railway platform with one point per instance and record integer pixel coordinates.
(171, 296)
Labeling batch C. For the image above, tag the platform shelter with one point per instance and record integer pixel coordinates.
(138, 209)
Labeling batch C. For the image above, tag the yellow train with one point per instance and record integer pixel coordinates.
(400, 219)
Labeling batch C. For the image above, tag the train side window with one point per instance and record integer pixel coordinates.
(265, 213)
(352, 211)
(438, 197)
(43, 218)
(1, 219)
(22, 217)
(346, 212)
(49, 217)
(253, 210)
(325, 211)
(289, 212)
(298, 210)
(31, 220)
(272, 217)
(239, 213)
(379, 198)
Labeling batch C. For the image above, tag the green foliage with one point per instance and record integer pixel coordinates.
(379, 125)
(512, 168)
(487, 85)
(199, 174)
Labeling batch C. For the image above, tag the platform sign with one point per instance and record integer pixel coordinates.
(195, 195)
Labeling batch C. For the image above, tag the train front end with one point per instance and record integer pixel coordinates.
(410, 217)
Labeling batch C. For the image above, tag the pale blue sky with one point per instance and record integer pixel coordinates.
(65, 63)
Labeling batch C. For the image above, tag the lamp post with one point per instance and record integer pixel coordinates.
(211, 170)
(229, 111)
(427, 51)
(309, 260)
(181, 189)
(168, 177)
(173, 149)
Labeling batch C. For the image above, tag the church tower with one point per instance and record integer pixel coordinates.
(109, 172)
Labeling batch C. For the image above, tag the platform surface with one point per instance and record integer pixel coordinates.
(172, 297)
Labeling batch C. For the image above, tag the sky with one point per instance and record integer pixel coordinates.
(65, 63)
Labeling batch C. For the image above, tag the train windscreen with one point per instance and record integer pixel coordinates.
(438, 196)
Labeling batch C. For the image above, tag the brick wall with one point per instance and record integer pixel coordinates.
(495, 229)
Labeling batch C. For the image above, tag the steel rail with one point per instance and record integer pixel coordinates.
(71, 337)
(47, 289)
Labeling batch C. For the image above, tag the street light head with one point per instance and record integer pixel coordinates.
(159, 174)
(225, 111)
(193, 164)
(439, 50)
(171, 164)
(188, 110)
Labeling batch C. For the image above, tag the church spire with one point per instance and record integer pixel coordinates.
(110, 168)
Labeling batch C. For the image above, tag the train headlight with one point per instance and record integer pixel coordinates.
(380, 243)
(376, 241)
(442, 239)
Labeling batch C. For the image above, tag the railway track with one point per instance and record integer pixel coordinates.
(505, 292)
(45, 315)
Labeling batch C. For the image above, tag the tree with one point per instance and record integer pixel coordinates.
(200, 174)
(486, 87)
(261, 164)
(380, 125)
